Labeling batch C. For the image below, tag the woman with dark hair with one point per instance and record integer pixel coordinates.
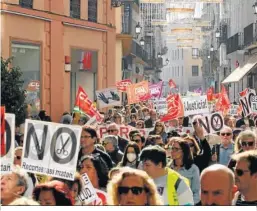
(183, 163)
(159, 129)
(97, 171)
(131, 156)
(42, 115)
(54, 193)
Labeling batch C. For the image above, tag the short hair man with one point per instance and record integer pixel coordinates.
(217, 185)
(246, 177)
(171, 186)
(13, 185)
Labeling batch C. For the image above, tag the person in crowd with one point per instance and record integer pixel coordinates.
(87, 143)
(53, 193)
(230, 121)
(131, 133)
(183, 163)
(48, 119)
(153, 140)
(113, 130)
(194, 147)
(23, 201)
(149, 123)
(132, 187)
(133, 120)
(127, 114)
(66, 118)
(42, 115)
(245, 141)
(13, 185)
(146, 113)
(113, 172)
(83, 120)
(221, 152)
(246, 178)
(110, 144)
(97, 171)
(221, 192)
(244, 122)
(117, 118)
(204, 158)
(109, 116)
(140, 114)
(140, 124)
(131, 156)
(17, 156)
(159, 129)
(172, 187)
(100, 147)
(139, 140)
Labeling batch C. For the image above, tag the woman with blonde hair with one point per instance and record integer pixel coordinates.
(132, 187)
(159, 129)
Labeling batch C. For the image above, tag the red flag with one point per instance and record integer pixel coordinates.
(175, 107)
(86, 60)
(210, 93)
(172, 84)
(122, 85)
(244, 93)
(223, 102)
(3, 148)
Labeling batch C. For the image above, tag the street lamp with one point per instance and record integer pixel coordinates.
(138, 29)
(212, 49)
(159, 55)
(255, 8)
(217, 33)
(167, 61)
(142, 41)
(209, 57)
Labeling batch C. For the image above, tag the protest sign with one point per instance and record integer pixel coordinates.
(160, 106)
(108, 97)
(195, 105)
(245, 101)
(156, 90)
(233, 109)
(138, 92)
(51, 149)
(92, 122)
(212, 123)
(254, 104)
(8, 143)
(122, 85)
(88, 193)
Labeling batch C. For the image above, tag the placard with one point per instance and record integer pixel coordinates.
(254, 104)
(212, 123)
(108, 97)
(195, 105)
(9, 139)
(51, 149)
(245, 101)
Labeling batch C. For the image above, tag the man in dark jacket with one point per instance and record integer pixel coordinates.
(149, 123)
(113, 130)
(110, 144)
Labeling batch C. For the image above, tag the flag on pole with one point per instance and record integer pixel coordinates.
(172, 84)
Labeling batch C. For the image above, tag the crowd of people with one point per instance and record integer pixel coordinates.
(166, 167)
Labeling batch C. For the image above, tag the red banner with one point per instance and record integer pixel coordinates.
(122, 85)
(3, 148)
(172, 84)
(138, 92)
(175, 108)
(223, 103)
(210, 93)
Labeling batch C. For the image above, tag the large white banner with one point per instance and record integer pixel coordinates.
(195, 105)
(51, 149)
(108, 97)
(161, 105)
(246, 101)
(7, 158)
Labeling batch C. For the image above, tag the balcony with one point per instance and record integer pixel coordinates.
(139, 52)
(233, 44)
(250, 36)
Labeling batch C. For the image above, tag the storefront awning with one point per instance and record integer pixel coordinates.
(240, 72)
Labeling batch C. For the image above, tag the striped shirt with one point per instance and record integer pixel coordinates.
(241, 202)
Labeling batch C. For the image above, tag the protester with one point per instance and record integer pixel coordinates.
(245, 122)
(132, 187)
(149, 123)
(222, 191)
(23, 201)
(42, 115)
(183, 163)
(159, 129)
(117, 118)
(87, 143)
(133, 120)
(113, 130)
(221, 152)
(245, 141)
(131, 156)
(17, 156)
(113, 172)
(146, 113)
(140, 124)
(172, 187)
(13, 185)
(246, 178)
(110, 144)
(66, 118)
(54, 193)
(139, 140)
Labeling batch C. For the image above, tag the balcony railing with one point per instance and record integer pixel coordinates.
(139, 51)
(127, 19)
(26, 3)
(233, 44)
(92, 10)
(249, 37)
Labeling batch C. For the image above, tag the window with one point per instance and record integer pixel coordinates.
(92, 10)
(27, 58)
(26, 3)
(195, 53)
(195, 70)
(182, 70)
(75, 8)
(182, 50)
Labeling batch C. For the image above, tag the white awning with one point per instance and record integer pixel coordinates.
(240, 72)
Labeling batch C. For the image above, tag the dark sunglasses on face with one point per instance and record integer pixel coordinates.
(249, 144)
(240, 172)
(135, 190)
(226, 134)
(111, 131)
(136, 140)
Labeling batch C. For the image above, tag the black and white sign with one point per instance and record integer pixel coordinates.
(245, 101)
(108, 97)
(51, 148)
(7, 159)
(212, 123)
(233, 109)
(254, 104)
(88, 193)
(160, 106)
(195, 105)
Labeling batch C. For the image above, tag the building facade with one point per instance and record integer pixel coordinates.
(47, 37)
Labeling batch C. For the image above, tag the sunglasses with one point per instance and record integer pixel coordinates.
(226, 134)
(135, 190)
(18, 157)
(111, 131)
(240, 172)
(249, 144)
(136, 140)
